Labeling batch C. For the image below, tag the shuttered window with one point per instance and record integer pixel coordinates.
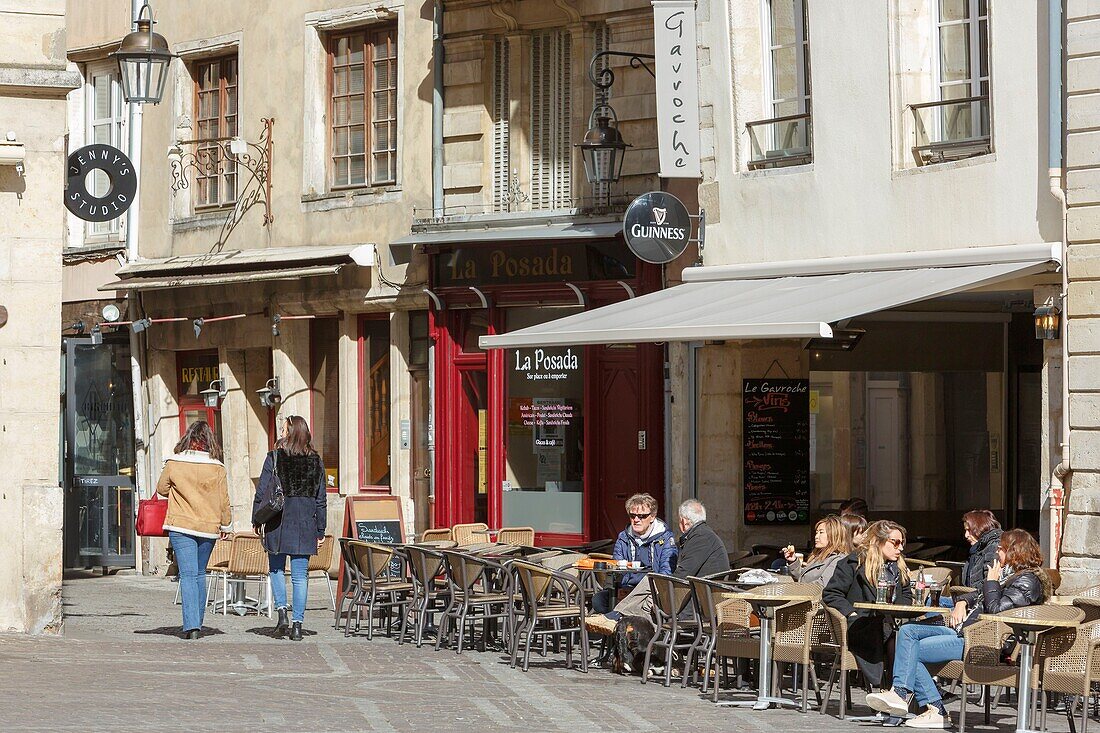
(104, 126)
(363, 107)
(501, 109)
(216, 120)
(602, 96)
(551, 138)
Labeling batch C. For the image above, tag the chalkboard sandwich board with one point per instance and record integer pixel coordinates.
(375, 519)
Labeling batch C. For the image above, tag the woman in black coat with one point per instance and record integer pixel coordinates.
(298, 530)
(983, 532)
(855, 580)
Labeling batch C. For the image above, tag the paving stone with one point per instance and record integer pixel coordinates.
(120, 666)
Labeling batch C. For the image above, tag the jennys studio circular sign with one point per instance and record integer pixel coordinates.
(121, 183)
(657, 227)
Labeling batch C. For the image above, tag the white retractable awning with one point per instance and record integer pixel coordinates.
(756, 307)
(224, 278)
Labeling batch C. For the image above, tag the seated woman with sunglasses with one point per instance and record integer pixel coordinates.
(855, 580)
(1016, 578)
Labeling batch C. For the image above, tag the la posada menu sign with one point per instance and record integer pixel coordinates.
(776, 452)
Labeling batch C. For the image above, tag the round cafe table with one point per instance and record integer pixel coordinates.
(1026, 624)
(898, 613)
(765, 606)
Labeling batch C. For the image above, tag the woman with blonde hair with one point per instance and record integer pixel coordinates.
(832, 541)
(877, 560)
(198, 514)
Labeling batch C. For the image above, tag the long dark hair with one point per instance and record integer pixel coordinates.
(200, 437)
(298, 440)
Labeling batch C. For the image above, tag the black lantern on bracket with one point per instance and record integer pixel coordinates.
(603, 147)
(143, 61)
(1047, 322)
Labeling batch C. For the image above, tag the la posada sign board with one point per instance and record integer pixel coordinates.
(776, 450)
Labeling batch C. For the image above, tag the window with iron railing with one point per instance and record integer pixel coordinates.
(785, 137)
(957, 125)
(215, 120)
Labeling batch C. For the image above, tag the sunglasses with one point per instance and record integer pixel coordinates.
(898, 544)
(632, 515)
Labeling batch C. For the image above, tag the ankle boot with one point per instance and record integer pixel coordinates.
(283, 623)
(296, 631)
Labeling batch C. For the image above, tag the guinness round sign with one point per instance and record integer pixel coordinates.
(121, 183)
(657, 227)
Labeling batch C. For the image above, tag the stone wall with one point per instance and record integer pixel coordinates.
(33, 84)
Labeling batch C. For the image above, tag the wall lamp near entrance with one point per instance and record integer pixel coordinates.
(214, 394)
(143, 61)
(603, 145)
(1047, 322)
(270, 394)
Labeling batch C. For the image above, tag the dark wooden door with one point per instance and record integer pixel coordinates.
(619, 465)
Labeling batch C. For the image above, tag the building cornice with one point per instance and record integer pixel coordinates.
(37, 81)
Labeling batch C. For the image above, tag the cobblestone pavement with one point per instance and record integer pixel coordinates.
(121, 667)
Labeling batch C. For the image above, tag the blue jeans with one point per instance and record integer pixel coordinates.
(917, 645)
(192, 554)
(299, 582)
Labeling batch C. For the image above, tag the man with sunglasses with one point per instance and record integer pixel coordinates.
(647, 541)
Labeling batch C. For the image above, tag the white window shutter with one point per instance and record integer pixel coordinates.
(501, 110)
(551, 135)
(563, 128)
(602, 96)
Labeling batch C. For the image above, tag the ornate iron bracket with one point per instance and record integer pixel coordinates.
(254, 157)
(605, 77)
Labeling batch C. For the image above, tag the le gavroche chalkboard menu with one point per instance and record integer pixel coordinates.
(776, 416)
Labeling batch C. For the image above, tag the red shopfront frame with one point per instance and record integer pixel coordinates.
(604, 462)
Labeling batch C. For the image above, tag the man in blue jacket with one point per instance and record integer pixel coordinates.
(648, 541)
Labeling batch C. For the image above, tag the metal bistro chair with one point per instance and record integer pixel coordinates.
(377, 589)
(474, 597)
(552, 607)
(1074, 673)
(248, 563)
(429, 596)
(349, 586)
(750, 561)
(829, 637)
(735, 636)
(216, 566)
(1088, 601)
(676, 623)
(433, 535)
(524, 536)
(794, 633)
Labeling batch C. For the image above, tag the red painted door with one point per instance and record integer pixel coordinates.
(620, 466)
(472, 449)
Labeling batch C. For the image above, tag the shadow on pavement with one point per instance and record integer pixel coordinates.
(176, 631)
(269, 632)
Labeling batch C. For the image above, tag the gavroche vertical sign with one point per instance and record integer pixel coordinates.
(677, 88)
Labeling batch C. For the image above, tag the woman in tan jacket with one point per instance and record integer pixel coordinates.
(194, 481)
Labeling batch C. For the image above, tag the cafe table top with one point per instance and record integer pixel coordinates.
(902, 610)
(1048, 616)
(612, 569)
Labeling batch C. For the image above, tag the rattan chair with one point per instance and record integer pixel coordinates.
(1088, 601)
(735, 637)
(378, 589)
(707, 593)
(552, 607)
(467, 535)
(1074, 672)
(794, 637)
(216, 567)
(829, 638)
(739, 555)
(429, 596)
(349, 585)
(933, 553)
(480, 591)
(676, 622)
(320, 562)
(524, 536)
(441, 533)
(942, 576)
(750, 561)
(248, 563)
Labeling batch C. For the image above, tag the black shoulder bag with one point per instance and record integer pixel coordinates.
(273, 507)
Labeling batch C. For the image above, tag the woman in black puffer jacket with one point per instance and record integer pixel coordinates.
(296, 532)
(983, 532)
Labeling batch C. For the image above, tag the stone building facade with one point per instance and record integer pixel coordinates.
(34, 80)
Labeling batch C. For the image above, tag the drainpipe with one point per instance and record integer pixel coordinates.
(437, 109)
(1061, 472)
(141, 434)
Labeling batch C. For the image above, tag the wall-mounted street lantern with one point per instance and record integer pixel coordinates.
(270, 394)
(1047, 322)
(603, 144)
(143, 60)
(215, 393)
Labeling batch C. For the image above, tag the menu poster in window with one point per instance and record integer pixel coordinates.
(776, 451)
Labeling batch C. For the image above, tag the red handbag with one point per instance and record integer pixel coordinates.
(150, 517)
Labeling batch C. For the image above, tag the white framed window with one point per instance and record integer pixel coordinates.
(786, 58)
(104, 123)
(961, 68)
(551, 123)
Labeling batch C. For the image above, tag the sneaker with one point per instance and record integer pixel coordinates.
(888, 701)
(597, 623)
(930, 719)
